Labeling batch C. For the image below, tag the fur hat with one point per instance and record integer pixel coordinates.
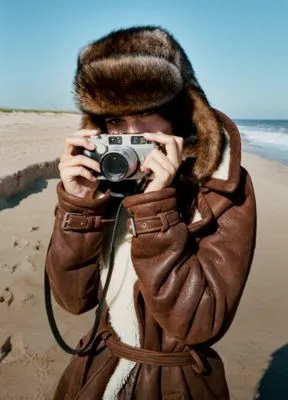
(140, 68)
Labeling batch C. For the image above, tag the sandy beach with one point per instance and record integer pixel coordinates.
(255, 349)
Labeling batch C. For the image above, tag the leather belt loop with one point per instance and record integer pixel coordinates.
(165, 222)
(198, 365)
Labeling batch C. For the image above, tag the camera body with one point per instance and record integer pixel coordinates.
(120, 156)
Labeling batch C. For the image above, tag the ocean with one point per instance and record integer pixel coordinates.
(268, 138)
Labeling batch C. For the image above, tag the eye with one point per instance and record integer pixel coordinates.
(113, 121)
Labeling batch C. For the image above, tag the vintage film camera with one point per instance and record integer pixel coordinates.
(120, 156)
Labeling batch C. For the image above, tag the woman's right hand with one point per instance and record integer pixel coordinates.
(74, 167)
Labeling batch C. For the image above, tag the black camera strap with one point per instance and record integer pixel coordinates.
(48, 304)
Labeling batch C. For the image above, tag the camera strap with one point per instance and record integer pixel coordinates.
(48, 303)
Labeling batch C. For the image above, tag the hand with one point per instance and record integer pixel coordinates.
(75, 175)
(164, 165)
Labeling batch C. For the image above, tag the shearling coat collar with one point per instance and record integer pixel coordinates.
(214, 195)
(230, 184)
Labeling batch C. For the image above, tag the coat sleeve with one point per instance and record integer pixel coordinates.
(73, 254)
(192, 288)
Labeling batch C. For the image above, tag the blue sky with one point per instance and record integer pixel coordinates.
(238, 49)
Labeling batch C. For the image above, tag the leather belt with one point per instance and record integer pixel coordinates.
(143, 356)
(82, 222)
(159, 223)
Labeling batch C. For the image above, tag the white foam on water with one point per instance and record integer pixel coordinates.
(268, 138)
(265, 137)
(265, 133)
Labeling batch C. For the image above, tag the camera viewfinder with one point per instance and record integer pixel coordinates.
(138, 140)
(115, 139)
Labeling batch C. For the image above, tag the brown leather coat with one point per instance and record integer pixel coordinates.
(190, 278)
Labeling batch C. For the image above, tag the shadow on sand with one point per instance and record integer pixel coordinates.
(32, 188)
(274, 383)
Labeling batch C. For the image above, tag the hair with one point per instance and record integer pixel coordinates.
(178, 113)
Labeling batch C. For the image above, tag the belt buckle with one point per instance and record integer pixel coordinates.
(66, 220)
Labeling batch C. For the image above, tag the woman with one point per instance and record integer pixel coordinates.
(182, 262)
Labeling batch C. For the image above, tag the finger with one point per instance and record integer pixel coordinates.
(179, 141)
(79, 160)
(160, 174)
(172, 145)
(72, 142)
(163, 138)
(71, 173)
(161, 167)
(163, 160)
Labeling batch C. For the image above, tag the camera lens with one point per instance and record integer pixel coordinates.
(114, 167)
(119, 164)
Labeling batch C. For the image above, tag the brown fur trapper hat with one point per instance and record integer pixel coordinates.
(140, 68)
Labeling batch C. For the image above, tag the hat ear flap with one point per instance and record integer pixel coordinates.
(206, 152)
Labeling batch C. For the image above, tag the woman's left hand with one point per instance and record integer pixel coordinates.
(163, 166)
